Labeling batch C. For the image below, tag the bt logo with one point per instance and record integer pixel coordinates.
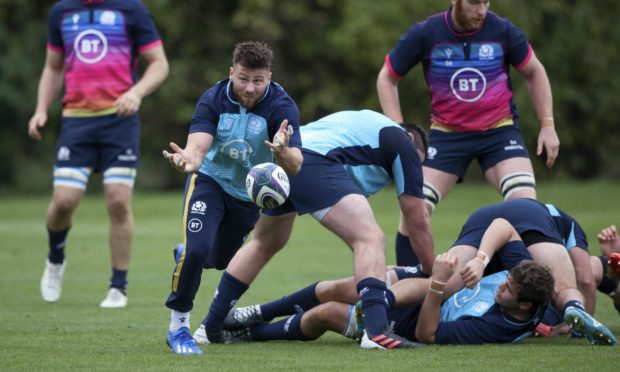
(90, 46)
(468, 84)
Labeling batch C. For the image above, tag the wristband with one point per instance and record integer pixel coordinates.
(431, 290)
(437, 286)
(547, 121)
(483, 257)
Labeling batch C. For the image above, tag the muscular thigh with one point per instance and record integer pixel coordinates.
(557, 259)
(352, 219)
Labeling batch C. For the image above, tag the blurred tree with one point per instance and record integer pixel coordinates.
(327, 55)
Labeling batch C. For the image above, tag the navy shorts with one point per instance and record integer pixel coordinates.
(99, 142)
(452, 152)
(319, 184)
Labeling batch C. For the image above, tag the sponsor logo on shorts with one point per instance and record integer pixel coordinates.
(64, 154)
(198, 207)
(513, 146)
(431, 153)
(128, 156)
(194, 225)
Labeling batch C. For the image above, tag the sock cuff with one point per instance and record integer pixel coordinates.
(234, 282)
(371, 282)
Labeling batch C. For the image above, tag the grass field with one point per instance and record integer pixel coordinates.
(74, 334)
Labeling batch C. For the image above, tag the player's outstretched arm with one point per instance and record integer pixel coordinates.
(289, 158)
(189, 159)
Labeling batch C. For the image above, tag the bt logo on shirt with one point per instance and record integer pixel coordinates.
(90, 46)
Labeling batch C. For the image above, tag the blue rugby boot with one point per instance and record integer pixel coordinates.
(596, 332)
(181, 342)
(177, 252)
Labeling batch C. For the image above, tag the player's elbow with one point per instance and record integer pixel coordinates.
(425, 337)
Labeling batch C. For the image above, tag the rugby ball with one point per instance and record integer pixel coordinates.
(267, 185)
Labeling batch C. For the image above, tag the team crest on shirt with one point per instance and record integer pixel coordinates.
(90, 46)
(199, 207)
(254, 125)
(108, 18)
(486, 52)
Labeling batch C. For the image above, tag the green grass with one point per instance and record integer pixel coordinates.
(74, 334)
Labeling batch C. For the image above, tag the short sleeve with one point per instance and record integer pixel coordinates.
(144, 31)
(519, 50)
(54, 36)
(205, 117)
(407, 52)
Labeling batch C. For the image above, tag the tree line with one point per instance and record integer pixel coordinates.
(327, 56)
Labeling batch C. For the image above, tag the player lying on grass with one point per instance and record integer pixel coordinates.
(465, 311)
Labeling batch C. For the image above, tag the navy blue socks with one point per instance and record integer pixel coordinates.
(373, 294)
(228, 292)
(57, 241)
(302, 300)
(405, 256)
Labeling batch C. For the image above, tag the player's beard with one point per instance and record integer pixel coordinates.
(468, 24)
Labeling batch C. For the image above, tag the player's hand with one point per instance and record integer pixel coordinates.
(37, 121)
(281, 138)
(608, 240)
(181, 160)
(444, 267)
(548, 139)
(472, 272)
(129, 103)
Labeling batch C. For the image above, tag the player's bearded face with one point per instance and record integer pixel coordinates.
(470, 14)
(249, 85)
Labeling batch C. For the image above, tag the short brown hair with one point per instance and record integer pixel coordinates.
(535, 282)
(253, 55)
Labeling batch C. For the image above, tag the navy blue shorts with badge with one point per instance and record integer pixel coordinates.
(99, 142)
(452, 152)
(319, 184)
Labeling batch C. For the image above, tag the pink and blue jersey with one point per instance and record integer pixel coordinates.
(100, 41)
(467, 74)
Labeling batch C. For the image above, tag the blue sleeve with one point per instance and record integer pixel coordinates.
(408, 51)
(508, 257)
(54, 37)
(287, 109)
(406, 167)
(205, 116)
(144, 30)
(518, 47)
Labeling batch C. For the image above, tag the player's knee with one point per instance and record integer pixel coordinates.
(432, 196)
(518, 185)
